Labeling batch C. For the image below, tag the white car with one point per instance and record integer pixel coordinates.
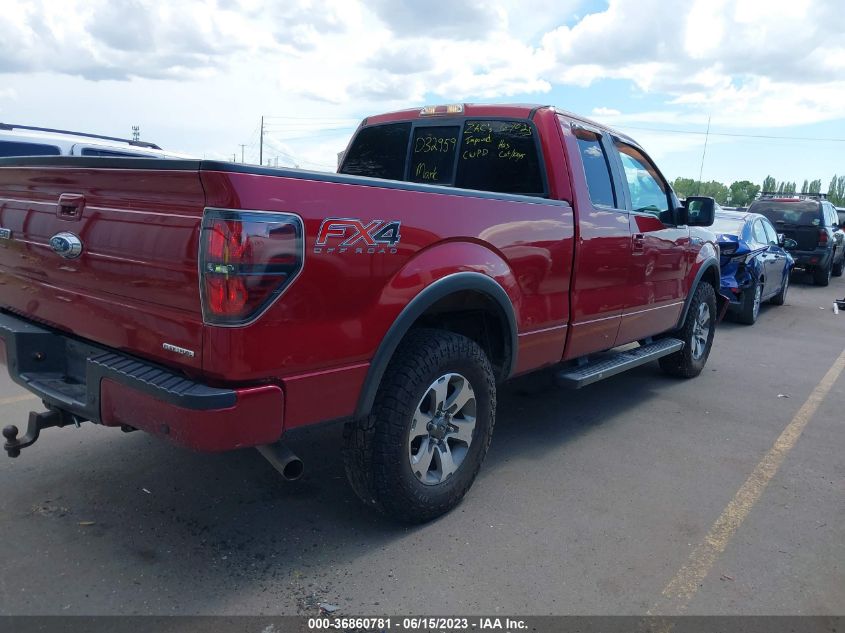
(24, 140)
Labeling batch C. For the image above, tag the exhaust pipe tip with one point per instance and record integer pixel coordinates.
(293, 470)
(283, 460)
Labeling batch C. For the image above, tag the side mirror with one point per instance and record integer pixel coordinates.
(699, 211)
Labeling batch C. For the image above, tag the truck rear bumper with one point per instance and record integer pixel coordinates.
(819, 257)
(114, 389)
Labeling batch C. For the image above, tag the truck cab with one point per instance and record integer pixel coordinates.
(636, 244)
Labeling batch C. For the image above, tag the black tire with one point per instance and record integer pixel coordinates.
(749, 308)
(821, 276)
(376, 448)
(685, 364)
(780, 298)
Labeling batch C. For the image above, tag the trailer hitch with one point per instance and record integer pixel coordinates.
(37, 422)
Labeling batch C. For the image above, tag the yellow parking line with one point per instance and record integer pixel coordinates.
(19, 398)
(681, 589)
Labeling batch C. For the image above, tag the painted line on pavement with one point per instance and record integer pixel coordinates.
(683, 587)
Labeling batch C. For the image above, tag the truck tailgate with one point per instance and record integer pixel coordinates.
(134, 287)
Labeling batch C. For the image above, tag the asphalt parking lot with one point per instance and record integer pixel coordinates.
(590, 502)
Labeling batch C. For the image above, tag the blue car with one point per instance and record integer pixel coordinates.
(755, 265)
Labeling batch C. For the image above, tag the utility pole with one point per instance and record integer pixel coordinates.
(136, 133)
(261, 143)
(234, 158)
(242, 152)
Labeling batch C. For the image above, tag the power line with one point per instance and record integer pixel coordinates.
(734, 134)
(293, 159)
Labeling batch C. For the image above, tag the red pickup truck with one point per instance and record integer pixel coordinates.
(220, 305)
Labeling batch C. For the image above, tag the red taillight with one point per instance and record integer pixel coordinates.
(822, 236)
(247, 259)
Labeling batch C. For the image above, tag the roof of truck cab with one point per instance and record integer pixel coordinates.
(501, 110)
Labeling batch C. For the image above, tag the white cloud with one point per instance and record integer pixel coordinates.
(749, 63)
(201, 63)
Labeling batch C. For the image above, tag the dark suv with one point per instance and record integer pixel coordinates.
(813, 223)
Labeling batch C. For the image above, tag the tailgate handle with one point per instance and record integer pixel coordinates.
(70, 206)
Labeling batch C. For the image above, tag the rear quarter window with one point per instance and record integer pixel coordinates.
(596, 168)
(20, 148)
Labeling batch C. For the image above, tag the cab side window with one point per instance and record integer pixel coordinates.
(596, 168)
(649, 192)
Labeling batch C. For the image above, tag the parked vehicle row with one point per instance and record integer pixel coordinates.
(760, 246)
(812, 222)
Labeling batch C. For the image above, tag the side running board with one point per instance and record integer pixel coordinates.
(593, 371)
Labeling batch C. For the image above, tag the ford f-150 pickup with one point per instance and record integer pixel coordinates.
(222, 306)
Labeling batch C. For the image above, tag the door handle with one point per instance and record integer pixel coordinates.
(638, 242)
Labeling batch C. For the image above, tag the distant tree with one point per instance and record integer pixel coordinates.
(770, 184)
(815, 187)
(804, 186)
(781, 186)
(715, 190)
(685, 187)
(836, 191)
(743, 192)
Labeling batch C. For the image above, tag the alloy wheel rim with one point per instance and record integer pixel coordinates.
(700, 331)
(758, 293)
(442, 429)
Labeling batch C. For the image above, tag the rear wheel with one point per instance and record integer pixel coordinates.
(419, 451)
(821, 276)
(780, 297)
(697, 335)
(749, 309)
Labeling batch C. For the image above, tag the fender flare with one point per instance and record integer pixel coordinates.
(443, 287)
(710, 263)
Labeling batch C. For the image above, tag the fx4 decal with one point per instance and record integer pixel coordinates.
(348, 235)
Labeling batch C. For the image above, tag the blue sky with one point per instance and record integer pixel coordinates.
(197, 75)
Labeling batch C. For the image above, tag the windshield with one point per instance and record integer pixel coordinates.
(806, 212)
(731, 226)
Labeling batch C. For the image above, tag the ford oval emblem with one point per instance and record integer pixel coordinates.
(66, 244)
